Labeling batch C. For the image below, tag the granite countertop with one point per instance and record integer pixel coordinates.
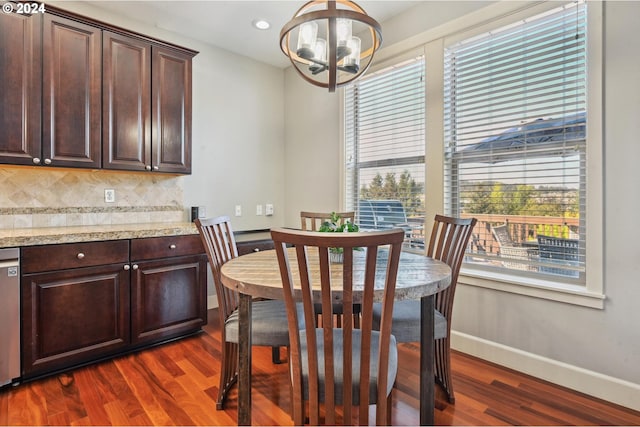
(52, 235)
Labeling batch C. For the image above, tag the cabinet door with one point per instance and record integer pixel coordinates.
(20, 88)
(126, 93)
(72, 58)
(168, 298)
(171, 110)
(73, 316)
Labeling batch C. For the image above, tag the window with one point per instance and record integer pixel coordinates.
(515, 112)
(385, 149)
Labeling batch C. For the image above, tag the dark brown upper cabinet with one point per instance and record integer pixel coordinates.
(20, 88)
(126, 89)
(71, 98)
(76, 92)
(146, 107)
(171, 122)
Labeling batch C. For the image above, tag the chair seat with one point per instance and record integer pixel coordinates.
(338, 351)
(269, 324)
(406, 325)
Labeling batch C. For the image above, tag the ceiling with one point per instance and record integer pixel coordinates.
(228, 24)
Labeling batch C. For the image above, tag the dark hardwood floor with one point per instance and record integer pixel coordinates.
(176, 384)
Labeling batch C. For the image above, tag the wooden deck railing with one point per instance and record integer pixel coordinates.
(522, 229)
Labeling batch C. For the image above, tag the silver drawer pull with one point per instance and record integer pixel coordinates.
(36, 160)
(135, 266)
(80, 255)
(256, 249)
(172, 246)
(127, 267)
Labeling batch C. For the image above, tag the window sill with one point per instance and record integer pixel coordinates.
(533, 287)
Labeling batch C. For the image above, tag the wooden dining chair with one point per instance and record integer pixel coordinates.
(448, 243)
(269, 324)
(332, 366)
(312, 221)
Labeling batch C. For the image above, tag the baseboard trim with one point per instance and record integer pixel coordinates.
(611, 389)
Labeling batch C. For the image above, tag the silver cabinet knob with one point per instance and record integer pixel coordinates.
(155, 168)
(147, 167)
(135, 266)
(127, 267)
(80, 255)
(47, 161)
(36, 160)
(256, 249)
(172, 246)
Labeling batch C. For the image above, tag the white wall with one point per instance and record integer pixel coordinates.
(237, 131)
(596, 351)
(238, 138)
(312, 149)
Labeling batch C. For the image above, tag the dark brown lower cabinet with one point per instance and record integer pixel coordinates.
(168, 297)
(73, 316)
(85, 301)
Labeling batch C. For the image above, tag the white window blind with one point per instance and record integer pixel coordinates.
(385, 148)
(515, 143)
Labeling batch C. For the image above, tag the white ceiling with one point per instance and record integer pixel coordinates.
(228, 23)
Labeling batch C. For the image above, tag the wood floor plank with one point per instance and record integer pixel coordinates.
(206, 402)
(144, 388)
(4, 409)
(126, 399)
(177, 384)
(91, 394)
(58, 419)
(116, 413)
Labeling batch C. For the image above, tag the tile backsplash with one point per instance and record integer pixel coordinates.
(52, 197)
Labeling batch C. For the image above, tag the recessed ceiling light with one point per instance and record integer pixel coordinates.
(261, 24)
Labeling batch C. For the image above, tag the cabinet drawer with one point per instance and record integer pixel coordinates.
(35, 259)
(254, 246)
(165, 247)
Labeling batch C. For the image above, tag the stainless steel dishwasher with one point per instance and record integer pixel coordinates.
(9, 315)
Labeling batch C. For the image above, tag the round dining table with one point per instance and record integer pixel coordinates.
(257, 275)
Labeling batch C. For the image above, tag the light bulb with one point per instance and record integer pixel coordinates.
(352, 62)
(307, 39)
(320, 50)
(343, 31)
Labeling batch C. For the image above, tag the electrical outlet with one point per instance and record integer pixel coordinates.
(238, 210)
(268, 209)
(109, 195)
(258, 209)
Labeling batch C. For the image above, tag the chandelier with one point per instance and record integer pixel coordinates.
(320, 42)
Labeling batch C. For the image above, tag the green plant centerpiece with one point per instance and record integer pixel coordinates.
(335, 224)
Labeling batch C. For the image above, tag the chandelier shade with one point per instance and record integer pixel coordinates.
(321, 42)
